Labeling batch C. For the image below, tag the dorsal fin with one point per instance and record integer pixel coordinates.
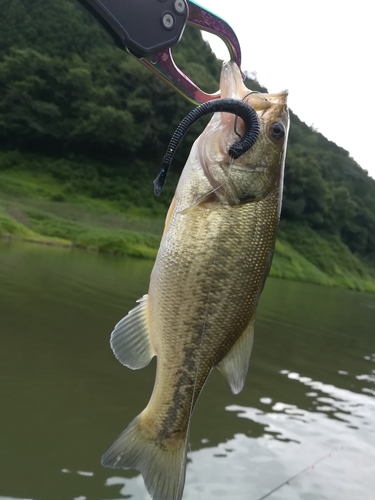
(130, 340)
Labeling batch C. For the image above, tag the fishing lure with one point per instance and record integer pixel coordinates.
(234, 106)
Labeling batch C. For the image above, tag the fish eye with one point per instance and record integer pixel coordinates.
(277, 130)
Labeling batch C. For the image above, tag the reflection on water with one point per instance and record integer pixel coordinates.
(64, 397)
(292, 439)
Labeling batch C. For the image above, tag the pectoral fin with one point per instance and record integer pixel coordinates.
(204, 198)
(130, 340)
(236, 363)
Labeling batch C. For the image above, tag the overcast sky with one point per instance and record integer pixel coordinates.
(323, 52)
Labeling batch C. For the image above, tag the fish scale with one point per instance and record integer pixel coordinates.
(210, 270)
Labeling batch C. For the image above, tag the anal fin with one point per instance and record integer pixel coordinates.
(130, 340)
(235, 364)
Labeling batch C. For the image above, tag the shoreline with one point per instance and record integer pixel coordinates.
(67, 245)
(37, 208)
(279, 269)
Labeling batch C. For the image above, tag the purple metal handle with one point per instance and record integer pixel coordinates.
(205, 20)
(164, 66)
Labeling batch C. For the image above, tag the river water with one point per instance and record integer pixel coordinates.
(309, 396)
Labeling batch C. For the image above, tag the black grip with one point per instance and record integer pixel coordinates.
(144, 27)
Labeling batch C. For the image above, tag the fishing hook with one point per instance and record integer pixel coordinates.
(236, 118)
(234, 106)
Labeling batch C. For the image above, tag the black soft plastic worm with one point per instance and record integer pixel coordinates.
(234, 106)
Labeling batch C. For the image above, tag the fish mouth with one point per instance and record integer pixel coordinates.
(269, 107)
(254, 170)
(232, 85)
(272, 104)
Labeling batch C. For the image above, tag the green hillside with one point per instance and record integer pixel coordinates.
(83, 128)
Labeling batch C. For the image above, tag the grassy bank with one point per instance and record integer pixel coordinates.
(35, 207)
(288, 263)
(47, 203)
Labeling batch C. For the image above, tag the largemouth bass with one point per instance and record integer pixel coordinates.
(213, 260)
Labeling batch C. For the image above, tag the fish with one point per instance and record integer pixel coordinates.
(214, 257)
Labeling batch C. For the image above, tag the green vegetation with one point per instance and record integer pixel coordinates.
(83, 127)
(40, 202)
(35, 206)
(305, 255)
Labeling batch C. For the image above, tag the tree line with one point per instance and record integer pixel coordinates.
(65, 90)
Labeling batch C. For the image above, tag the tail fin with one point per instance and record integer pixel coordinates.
(162, 466)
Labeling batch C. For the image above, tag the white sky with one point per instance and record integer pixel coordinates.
(323, 52)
